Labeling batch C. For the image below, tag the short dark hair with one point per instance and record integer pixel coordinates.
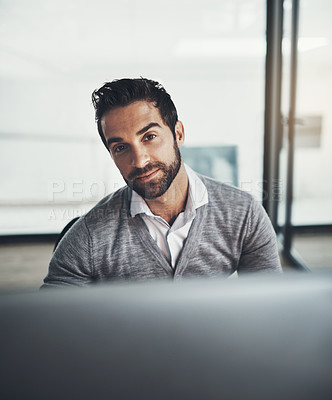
(122, 92)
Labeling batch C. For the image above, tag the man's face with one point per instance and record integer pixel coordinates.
(143, 147)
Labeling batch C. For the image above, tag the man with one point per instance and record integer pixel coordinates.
(168, 222)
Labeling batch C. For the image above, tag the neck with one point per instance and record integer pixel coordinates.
(171, 203)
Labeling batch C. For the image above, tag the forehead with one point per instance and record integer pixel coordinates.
(130, 119)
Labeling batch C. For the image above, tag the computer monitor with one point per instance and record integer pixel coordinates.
(266, 337)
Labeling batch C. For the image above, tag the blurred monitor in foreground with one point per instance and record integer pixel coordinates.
(252, 338)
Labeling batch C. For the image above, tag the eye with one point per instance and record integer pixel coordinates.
(119, 148)
(149, 136)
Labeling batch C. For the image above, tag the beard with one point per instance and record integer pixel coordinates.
(156, 187)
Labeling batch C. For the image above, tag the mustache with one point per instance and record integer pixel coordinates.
(136, 172)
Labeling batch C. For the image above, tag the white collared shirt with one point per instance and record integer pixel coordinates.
(170, 239)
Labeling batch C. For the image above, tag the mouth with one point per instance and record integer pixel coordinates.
(148, 176)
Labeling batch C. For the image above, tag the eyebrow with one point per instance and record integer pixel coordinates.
(140, 132)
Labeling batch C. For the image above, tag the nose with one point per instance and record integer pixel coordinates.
(139, 157)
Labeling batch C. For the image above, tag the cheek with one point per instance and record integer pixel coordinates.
(164, 151)
(122, 167)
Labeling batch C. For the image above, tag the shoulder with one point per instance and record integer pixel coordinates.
(112, 206)
(226, 194)
(101, 220)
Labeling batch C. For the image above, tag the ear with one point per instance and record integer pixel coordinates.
(179, 133)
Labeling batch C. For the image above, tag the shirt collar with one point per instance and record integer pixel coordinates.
(197, 196)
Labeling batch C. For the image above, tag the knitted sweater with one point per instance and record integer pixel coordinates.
(230, 233)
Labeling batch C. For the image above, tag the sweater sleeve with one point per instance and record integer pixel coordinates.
(260, 249)
(71, 264)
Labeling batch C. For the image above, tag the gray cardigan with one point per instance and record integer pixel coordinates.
(230, 233)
